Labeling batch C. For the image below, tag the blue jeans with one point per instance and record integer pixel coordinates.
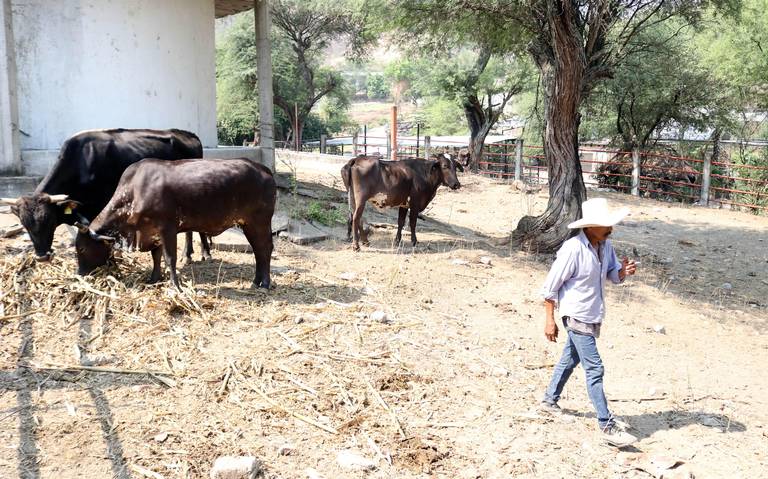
(581, 348)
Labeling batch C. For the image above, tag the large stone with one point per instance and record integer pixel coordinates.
(235, 467)
(302, 232)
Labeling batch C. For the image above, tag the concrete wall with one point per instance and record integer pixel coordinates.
(86, 64)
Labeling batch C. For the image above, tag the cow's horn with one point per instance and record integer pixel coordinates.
(8, 201)
(58, 198)
(81, 227)
(97, 237)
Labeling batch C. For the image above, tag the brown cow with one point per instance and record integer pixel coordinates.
(157, 199)
(406, 184)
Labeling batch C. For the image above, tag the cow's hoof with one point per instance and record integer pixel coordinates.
(355, 247)
(206, 257)
(261, 284)
(152, 280)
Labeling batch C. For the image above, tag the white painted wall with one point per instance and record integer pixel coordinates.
(87, 64)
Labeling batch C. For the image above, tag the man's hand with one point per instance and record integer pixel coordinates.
(550, 330)
(628, 267)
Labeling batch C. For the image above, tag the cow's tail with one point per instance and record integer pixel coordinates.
(346, 177)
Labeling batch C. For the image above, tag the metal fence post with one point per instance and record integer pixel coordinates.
(635, 172)
(518, 159)
(427, 146)
(705, 180)
(323, 140)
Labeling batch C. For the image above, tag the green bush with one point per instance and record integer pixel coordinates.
(320, 212)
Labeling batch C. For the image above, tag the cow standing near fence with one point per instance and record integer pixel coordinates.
(407, 185)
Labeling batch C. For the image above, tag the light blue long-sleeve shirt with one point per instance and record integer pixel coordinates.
(577, 278)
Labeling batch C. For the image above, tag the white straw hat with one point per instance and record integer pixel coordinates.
(595, 212)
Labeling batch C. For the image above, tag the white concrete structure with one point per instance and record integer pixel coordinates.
(73, 65)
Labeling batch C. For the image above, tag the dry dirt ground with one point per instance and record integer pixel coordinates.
(445, 385)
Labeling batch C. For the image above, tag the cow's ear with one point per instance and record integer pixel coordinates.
(458, 166)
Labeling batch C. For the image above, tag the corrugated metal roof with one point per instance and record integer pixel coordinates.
(230, 7)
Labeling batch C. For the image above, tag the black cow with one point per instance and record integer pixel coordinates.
(406, 184)
(86, 174)
(157, 199)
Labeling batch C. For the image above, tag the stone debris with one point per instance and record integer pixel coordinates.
(162, 437)
(658, 328)
(352, 460)
(286, 450)
(235, 467)
(486, 260)
(380, 317)
(312, 474)
(348, 276)
(727, 286)
(459, 262)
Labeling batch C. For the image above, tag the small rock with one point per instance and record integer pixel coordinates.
(231, 467)
(162, 437)
(499, 372)
(298, 320)
(459, 262)
(312, 474)
(485, 260)
(652, 392)
(380, 317)
(285, 450)
(349, 276)
(660, 329)
(727, 286)
(351, 460)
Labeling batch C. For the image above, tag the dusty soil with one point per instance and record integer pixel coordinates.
(446, 385)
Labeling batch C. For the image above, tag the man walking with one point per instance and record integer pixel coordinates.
(575, 285)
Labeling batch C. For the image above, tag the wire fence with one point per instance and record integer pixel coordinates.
(736, 178)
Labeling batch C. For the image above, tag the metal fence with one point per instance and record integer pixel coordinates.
(737, 178)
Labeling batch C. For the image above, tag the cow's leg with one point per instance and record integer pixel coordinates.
(357, 226)
(188, 247)
(157, 269)
(169, 252)
(259, 236)
(206, 246)
(401, 214)
(413, 218)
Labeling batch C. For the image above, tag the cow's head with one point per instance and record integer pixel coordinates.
(40, 214)
(93, 249)
(446, 168)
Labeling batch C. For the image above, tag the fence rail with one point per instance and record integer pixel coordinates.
(729, 182)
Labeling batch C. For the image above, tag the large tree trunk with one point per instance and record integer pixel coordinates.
(479, 126)
(560, 57)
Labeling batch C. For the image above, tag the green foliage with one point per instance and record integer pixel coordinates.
(440, 116)
(378, 88)
(321, 212)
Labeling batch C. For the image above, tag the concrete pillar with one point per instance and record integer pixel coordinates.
(354, 144)
(706, 178)
(323, 143)
(635, 172)
(427, 146)
(519, 159)
(393, 132)
(10, 152)
(264, 72)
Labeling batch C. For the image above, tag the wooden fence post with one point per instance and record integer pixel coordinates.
(427, 146)
(323, 140)
(518, 159)
(635, 171)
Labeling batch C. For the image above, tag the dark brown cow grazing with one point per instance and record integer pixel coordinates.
(157, 199)
(407, 184)
(85, 175)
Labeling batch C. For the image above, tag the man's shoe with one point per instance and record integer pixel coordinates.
(550, 407)
(614, 436)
